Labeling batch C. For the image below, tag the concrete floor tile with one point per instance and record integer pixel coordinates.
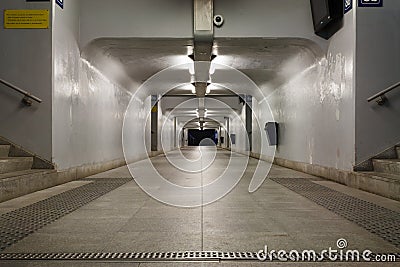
(85, 225)
(246, 241)
(164, 211)
(182, 225)
(61, 242)
(121, 172)
(128, 220)
(228, 226)
(101, 214)
(313, 226)
(154, 241)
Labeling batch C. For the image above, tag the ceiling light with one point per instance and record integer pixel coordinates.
(212, 69)
(191, 68)
(189, 50)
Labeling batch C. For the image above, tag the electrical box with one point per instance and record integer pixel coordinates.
(271, 129)
(233, 139)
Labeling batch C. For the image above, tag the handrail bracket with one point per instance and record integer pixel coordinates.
(380, 97)
(381, 100)
(26, 101)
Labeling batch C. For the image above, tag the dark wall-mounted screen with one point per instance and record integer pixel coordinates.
(320, 13)
(327, 16)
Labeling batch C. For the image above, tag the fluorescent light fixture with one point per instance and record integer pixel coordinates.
(191, 68)
(189, 50)
(212, 68)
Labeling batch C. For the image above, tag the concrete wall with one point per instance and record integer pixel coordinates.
(238, 128)
(136, 133)
(90, 104)
(88, 107)
(174, 18)
(378, 67)
(266, 18)
(150, 18)
(166, 130)
(222, 133)
(25, 61)
(262, 114)
(315, 108)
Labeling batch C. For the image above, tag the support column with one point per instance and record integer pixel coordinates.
(219, 136)
(154, 123)
(203, 37)
(227, 133)
(175, 133)
(249, 121)
(203, 29)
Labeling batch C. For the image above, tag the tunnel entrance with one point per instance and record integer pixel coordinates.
(195, 137)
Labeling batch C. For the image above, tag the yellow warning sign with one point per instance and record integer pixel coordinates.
(26, 19)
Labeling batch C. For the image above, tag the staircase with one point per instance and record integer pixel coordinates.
(386, 170)
(389, 168)
(20, 172)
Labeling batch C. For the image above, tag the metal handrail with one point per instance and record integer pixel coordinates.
(380, 97)
(27, 96)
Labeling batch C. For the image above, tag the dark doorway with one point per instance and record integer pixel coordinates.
(195, 136)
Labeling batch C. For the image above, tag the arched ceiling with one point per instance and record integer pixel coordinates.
(261, 59)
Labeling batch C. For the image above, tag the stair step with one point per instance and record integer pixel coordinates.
(390, 166)
(19, 183)
(398, 151)
(4, 150)
(383, 176)
(25, 172)
(13, 164)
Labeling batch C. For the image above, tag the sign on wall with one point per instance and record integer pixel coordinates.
(60, 3)
(348, 5)
(26, 19)
(370, 3)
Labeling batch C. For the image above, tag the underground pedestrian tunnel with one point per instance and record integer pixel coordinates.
(201, 132)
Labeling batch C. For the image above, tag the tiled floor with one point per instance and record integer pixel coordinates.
(128, 220)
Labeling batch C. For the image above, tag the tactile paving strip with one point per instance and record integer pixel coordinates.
(16, 225)
(378, 220)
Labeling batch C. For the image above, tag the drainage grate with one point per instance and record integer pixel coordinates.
(183, 256)
(136, 257)
(18, 224)
(378, 220)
